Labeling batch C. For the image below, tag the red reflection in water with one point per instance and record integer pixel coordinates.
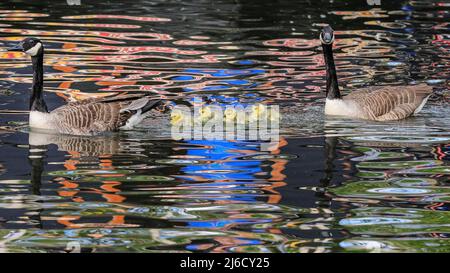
(122, 17)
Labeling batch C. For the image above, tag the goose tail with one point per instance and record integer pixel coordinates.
(422, 89)
(424, 92)
(140, 108)
(144, 105)
(152, 104)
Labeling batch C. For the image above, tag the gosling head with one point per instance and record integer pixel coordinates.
(327, 35)
(30, 46)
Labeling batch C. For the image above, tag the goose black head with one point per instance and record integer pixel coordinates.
(30, 46)
(327, 35)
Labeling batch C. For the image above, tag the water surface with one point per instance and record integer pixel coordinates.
(331, 185)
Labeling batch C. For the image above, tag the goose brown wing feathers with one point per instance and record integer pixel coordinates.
(92, 116)
(389, 102)
(399, 112)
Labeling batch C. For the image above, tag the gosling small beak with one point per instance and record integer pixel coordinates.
(17, 47)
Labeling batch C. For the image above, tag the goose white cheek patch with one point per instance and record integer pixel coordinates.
(34, 50)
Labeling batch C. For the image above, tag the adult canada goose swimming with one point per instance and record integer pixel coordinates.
(375, 103)
(86, 117)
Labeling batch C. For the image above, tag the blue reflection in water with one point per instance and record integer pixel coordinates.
(183, 78)
(235, 82)
(226, 72)
(220, 73)
(224, 223)
(245, 62)
(229, 168)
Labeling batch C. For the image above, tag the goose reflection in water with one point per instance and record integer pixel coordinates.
(393, 174)
(82, 150)
(230, 173)
(204, 194)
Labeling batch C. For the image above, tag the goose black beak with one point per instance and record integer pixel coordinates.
(17, 47)
(327, 35)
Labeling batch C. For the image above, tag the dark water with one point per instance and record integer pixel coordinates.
(331, 185)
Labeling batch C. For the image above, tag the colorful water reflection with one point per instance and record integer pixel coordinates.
(331, 185)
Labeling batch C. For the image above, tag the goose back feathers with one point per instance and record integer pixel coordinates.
(390, 102)
(93, 116)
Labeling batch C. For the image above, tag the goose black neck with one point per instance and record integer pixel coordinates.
(37, 102)
(332, 90)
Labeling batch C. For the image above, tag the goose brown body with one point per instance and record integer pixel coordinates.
(389, 102)
(93, 116)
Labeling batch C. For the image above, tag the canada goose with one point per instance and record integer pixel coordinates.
(374, 103)
(86, 117)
